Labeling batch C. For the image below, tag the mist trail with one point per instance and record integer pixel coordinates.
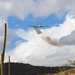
(48, 39)
(38, 31)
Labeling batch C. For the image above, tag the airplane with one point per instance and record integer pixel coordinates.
(38, 26)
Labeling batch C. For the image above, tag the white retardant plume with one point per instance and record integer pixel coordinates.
(37, 30)
(49, 40)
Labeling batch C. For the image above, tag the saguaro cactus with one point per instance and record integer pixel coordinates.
(4, 45)
(3, 51)
(9, 66)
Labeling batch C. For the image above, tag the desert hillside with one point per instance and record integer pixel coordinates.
(26, 69)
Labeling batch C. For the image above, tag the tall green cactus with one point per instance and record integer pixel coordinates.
(3, 51)
(9, 66)
(4, 45)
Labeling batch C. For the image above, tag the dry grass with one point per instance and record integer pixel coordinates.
(68, 72)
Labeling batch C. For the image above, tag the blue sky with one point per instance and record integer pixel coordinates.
(17, 23)
(25, 44)
(51, 20)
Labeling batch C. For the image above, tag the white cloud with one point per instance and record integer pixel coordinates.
(68, 40)
(38, 52)
(39, 8)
